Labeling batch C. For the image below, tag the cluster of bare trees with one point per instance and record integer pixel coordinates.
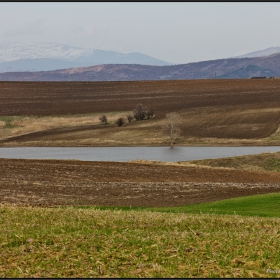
(170, 127)
(103, 120)
(139, 113)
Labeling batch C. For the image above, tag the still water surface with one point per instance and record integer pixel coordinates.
(123, 154)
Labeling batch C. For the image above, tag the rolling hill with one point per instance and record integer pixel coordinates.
(229, 68)
(264, 52)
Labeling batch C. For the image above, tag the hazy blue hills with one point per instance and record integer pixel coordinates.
(76, 64)
(250, 71)
(260, 53)
(18, 57)
(99, 57)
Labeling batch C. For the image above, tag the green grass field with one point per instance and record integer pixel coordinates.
(193, 241)
(267, 205)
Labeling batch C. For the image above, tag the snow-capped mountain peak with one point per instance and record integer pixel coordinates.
(49, 56)
(19, 50)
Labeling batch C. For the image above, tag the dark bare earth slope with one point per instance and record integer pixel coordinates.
(241, 109)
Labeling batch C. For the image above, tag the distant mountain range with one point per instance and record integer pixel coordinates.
(265, 52)
(18, 57)
(247, 67)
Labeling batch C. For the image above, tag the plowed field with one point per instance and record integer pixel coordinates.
(221, 109)
(233, 110)
(56, 182)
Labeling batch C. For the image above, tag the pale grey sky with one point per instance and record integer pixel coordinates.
(179, 32)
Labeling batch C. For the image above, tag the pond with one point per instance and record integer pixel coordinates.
(123, 154)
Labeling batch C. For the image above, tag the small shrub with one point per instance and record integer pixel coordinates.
(103, 119)
(129, 118)
(120, 121)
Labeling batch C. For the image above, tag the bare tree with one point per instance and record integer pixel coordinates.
(139, 112)
(171, 127)
(120, 121)
(103, 119)
(129, 118)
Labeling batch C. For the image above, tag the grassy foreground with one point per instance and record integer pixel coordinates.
(69, 242)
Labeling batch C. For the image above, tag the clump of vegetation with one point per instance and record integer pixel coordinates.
(141, 112)
(120, 121)
(129, 118)
(103, 119)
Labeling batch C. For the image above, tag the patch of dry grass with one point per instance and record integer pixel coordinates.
(136, 133)
(68, 242)
(264, 161)
(28, 124)
(2, 124)
(42, 123)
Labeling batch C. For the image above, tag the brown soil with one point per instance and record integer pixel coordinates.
(229, 109)
(58, 182)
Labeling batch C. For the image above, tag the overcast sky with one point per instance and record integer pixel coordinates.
(175, 32)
